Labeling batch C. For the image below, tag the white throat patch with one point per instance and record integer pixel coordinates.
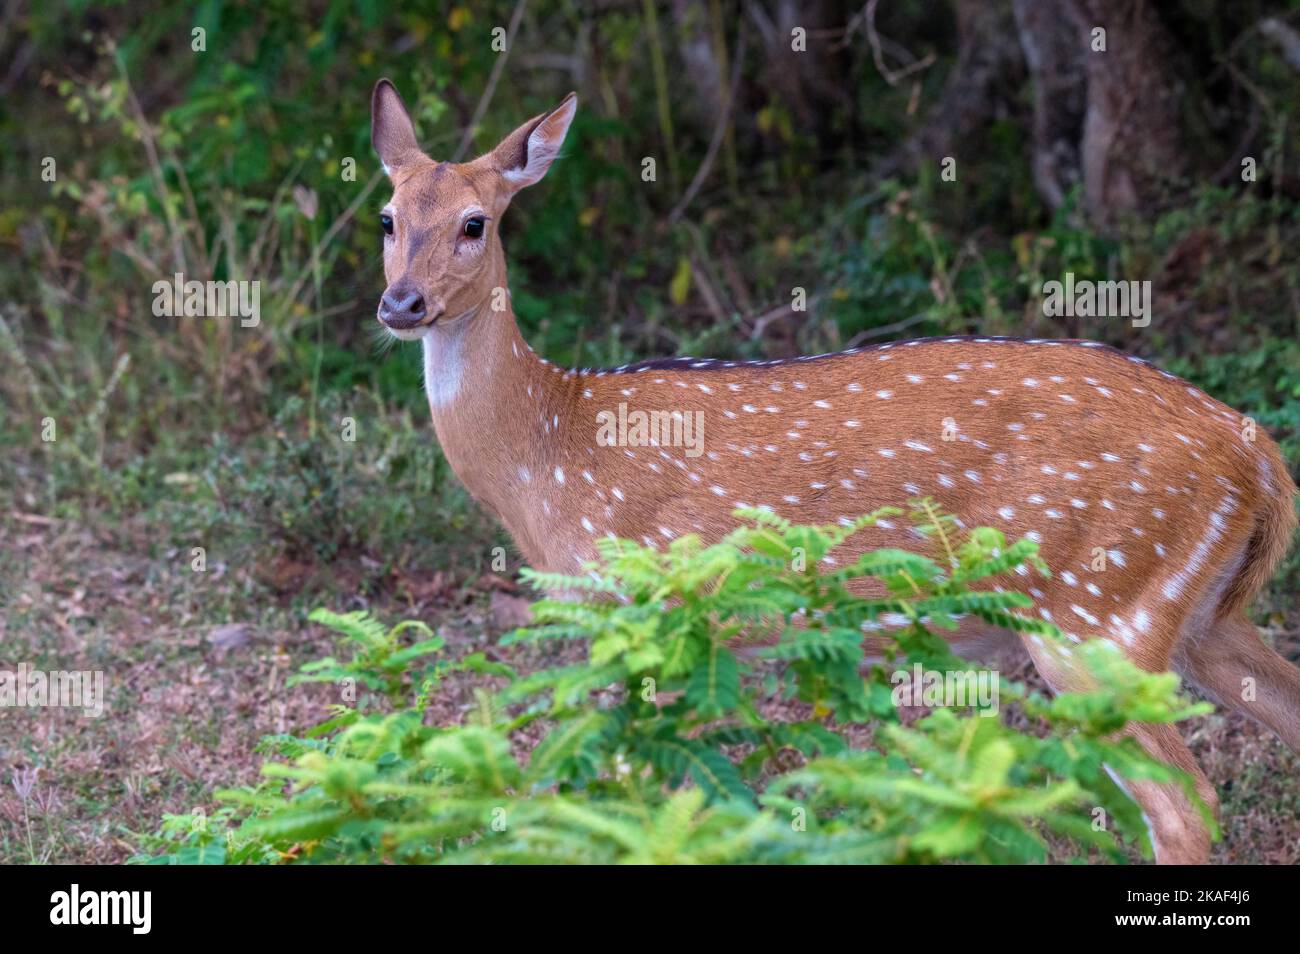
(444, 364)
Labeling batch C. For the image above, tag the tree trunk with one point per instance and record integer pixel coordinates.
(1054, 44)
(1132, 148)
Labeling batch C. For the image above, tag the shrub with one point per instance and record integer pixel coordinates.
(661, 745)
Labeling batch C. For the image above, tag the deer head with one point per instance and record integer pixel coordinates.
(442, 251)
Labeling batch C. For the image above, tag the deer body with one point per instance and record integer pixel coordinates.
(1160, 511)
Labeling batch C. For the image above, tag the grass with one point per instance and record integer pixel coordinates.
(196, 662)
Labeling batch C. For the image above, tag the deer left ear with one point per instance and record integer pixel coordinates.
(523, 157)
(391, 130)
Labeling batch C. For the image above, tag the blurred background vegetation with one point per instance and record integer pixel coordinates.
(778, 168)
(798, 145)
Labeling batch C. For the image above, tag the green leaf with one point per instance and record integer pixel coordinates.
(714, 686)
(680, 286)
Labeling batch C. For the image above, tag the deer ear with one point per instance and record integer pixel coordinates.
(391, 131)
(523, 157)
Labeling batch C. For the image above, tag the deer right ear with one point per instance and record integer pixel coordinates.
(523, 157)
(391, 130)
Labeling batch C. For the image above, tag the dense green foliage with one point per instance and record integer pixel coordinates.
(656, 747)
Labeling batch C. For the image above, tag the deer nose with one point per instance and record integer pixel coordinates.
(402, 307)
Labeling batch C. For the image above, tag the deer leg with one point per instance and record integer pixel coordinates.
(1237, 669)
(1178, 833)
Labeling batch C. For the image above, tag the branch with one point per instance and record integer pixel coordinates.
(877, 52)
(719, 131)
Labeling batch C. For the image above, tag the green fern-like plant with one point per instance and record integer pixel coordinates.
(663, 746)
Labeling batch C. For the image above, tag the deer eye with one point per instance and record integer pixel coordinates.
(474, 227)
(387, 222)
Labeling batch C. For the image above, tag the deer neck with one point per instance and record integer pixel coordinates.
(498, 410)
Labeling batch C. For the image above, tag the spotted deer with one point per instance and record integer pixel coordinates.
(1160, 510)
